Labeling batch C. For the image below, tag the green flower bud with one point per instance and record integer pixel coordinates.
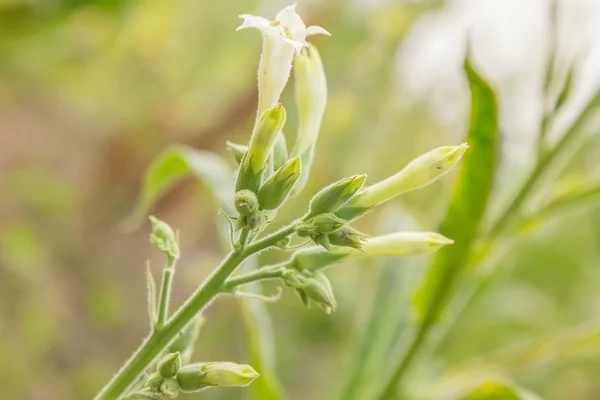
(263, 138)
(333, 196)
(169, 365)
(256, 221)
(195, 377)
(323, 223)
(278, 187)
(420, 172)
(348, 236)
(311, 98)
(170, 388)
(154, 381)
(320, 292)
(163, 238)
(303, 297)
(245, 202)
(322, 240)
(237, 151)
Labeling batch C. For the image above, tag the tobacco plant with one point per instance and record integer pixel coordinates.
(267, 175)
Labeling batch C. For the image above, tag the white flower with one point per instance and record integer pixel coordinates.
(282, 38)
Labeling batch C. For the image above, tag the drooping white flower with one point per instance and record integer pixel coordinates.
(282, 38)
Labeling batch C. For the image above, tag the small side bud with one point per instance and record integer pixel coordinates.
(170, 388)
(163, 238)
(348, 236)
(169, 365)
(321, 293)
(245, 202)
(154, 381)
(278, 187)
(195, 377)
(237, 151)
(263, 138)
(420, 172)
(323, 223)
(333, 196)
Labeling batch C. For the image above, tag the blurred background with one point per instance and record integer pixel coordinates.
(92, 90)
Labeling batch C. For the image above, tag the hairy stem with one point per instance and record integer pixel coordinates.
(158, 340)
(268, 272)
(165, 291)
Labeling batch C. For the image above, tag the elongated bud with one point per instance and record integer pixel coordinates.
(275, 191)
(420, 172)
(237, 151)
(169, 365)
(400, 244)
(321, 293)
(332, 197)
(194, 377)
(170, 388)
(348, 236)
(311, 98)
(245, 202)
(163, 238)
(321, 224)
(280, 151)
(263, 138)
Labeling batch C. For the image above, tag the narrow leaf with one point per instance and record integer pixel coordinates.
(151, 287)
(469, 200)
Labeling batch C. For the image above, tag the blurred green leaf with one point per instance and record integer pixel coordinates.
(469, 200)
(172, 165)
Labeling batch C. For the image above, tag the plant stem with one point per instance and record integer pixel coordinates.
(154, 344)
(165, 291)
(268, 272)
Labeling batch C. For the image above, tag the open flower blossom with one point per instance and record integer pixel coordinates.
(282, 38)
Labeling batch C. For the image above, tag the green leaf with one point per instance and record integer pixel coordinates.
(172, 165)
(152, 302)
(469, 200)
(499, 391)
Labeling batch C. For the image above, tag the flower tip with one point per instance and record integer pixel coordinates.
(437, 239)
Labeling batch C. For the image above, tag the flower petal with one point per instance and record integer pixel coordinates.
(253, 21)
(316, 30)
(297, 44)
(289, 18)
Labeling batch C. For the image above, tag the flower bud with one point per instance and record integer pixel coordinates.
(278, 187)
(194, 377)
(333, 196)
(311, 98)
(263, 138)
(237, 151)
(169, 365)
(321, 240)
(420, 172)
(154, 381)
(320, 292)
(347, 236)
(245, 202)
(163, 238)
(256, 221)
(170, 388)
(323, 223)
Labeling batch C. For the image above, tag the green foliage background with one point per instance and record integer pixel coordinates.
(91, 91)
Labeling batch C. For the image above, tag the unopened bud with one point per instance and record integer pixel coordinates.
(420, 172)
(321, 293)
(256, 221)
(237, 151)
(278, 187)
(163, 238)
(170, 388)
(169, 365)
(323, 223)
(245, 202)
(404, 244)
(194, 377)
(348, 236)
(154, 381)
(321, 240)
(263, 138)
(333, 196)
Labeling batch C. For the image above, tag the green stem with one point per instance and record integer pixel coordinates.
(268, 272)
(165, 291)
(154, 344)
